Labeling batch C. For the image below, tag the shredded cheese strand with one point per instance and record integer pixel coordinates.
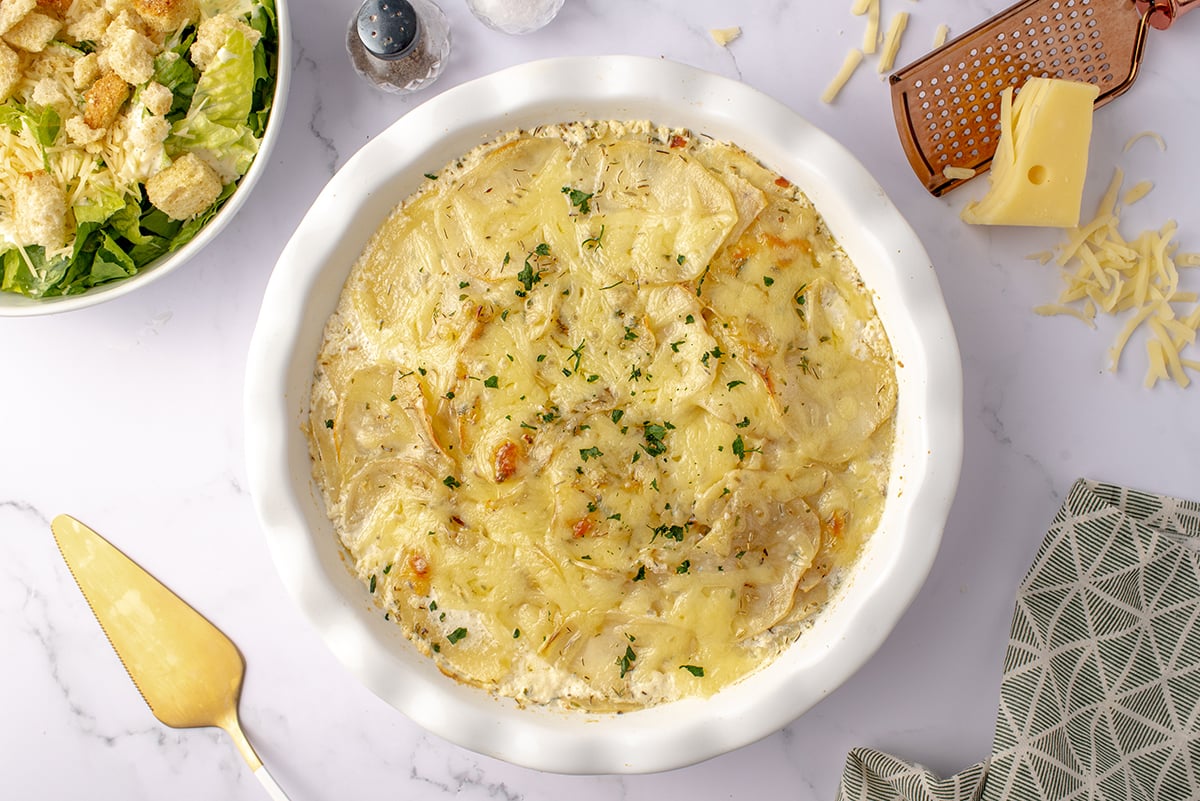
(853, 58)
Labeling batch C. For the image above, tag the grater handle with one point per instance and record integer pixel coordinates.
(1163, 13)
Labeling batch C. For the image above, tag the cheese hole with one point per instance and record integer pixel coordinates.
(1037, 175)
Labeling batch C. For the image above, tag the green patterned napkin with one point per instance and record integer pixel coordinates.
(1100, 697)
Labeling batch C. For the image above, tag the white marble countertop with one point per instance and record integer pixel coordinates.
(128, 415)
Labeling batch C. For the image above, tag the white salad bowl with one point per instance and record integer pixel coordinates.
(14, 305)
(304, 289)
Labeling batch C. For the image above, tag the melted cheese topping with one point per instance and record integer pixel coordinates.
(602, 413)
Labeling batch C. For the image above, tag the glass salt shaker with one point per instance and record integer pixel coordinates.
(399, 45)
(515, 16)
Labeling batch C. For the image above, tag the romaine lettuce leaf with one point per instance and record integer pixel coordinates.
(216, 123)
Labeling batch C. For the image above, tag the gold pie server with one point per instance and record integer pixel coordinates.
(189, 673)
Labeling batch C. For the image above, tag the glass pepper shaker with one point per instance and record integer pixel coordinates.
(399, 45)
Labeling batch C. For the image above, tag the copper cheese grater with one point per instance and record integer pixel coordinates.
(947, 104)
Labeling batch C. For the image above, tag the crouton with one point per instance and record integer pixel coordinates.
(49, 92)
(157, 98)
(80, 132)
(89, 25)
(13, 11)
(58, 8)
(86, 70)
(147, 131)
(167, 15)
(10, 71)
(186, 188)
(103, 101)
(40, 210)
(127, 52)
(211, 35)
(33, 32)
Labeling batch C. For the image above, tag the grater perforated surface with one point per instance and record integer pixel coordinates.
(947, 104)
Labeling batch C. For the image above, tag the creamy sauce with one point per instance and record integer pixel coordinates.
(602, 415)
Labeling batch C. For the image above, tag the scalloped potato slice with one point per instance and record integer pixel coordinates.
(506, 206)
(835, 397)
(660, 209)
(761, 529)
(679, 357)
(386, 490)
(395, 281)
(383, 411)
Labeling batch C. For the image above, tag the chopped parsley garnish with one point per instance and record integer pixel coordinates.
(733, 384)
(739, 448)
(590, 453)
(372, 587)
(768, 280)
(684, 566)
(329, 423)
(745, 421)
(579, 199)
(516, 633)
(680, 259)
(654, 433)
(670, 532)
(528, 277)
(630, 334)
(641, 573)
(491, 382)
(695, 670)
(431, 176)
(801, 300)
(456, 635)
(451, 482)
(627, 660)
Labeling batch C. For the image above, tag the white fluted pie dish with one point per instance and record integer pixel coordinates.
(304, 290)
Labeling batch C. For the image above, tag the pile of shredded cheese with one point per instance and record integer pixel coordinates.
(873, 40)
(1107, 273)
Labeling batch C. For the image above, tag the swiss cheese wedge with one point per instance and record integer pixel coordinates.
(1038, 171)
